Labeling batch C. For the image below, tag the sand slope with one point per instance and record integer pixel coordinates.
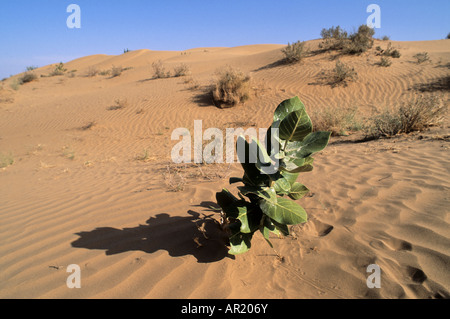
(90, 185)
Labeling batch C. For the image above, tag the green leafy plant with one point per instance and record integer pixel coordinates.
(59, 70)
(263, 204)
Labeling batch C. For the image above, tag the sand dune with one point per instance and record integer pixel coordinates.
(90, 183)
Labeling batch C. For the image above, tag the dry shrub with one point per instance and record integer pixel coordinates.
(28, 77)
(343, 73)
(385, 62)
(160, 70)
(413, 116)
(337, 120)
(422, 57)
(116, 71)
(294, 52)
(91, 72)
(119, 105)
(232, 87)
(390, 51)
(181, 70)
(334, 38)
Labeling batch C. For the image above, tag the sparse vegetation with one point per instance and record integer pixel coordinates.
(160, 71)
(339, 121)
(116, 71)
(295, 52)
(6, 160)
(391, 52)
(181, 70)
(31, 68)
(343, 73)
(119, 105)
(174, 180)
(144, 157)
(336, 38)
(385, 62)
(360, 41)
(28, 77)
(231, 88)
(422, 57)
(91, 72)
(413, 116)
(68, 152)
(88, 126)
(58, 70)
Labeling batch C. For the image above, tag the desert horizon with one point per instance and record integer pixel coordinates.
(89, 178)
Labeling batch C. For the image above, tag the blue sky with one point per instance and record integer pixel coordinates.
(34, 32)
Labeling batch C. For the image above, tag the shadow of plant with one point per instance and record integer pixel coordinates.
(193, 235)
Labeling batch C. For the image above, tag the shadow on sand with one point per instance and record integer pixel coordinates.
(199, 236)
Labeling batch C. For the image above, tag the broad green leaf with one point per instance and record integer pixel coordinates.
(243, 218)
(295, 126)
(248, 157)
(290, 177)
(298, 165)
(282, 210)
(272, 141)
(282, 186)
(286, 107)
(240, 243)
(298, 191)
(313, 143)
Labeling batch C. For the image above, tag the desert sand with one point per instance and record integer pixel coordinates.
(95, 186)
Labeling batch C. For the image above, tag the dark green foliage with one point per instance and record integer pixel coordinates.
(266, 199)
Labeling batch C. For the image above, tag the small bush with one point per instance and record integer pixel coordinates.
(31, 68)
(28, 77)
(448, 36)
(231, 88)
(334, 38)
(409, 117)
(422, 57)
(385, 38)
(294, 52)
(338, 120)
(119, 105)
(385, 62)
(181, 70)
(116, 71)
(390, 51)
(160, 71)
(360, 41)
(343, 73)
(59, 70)
(91, 72)
(6, 160)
